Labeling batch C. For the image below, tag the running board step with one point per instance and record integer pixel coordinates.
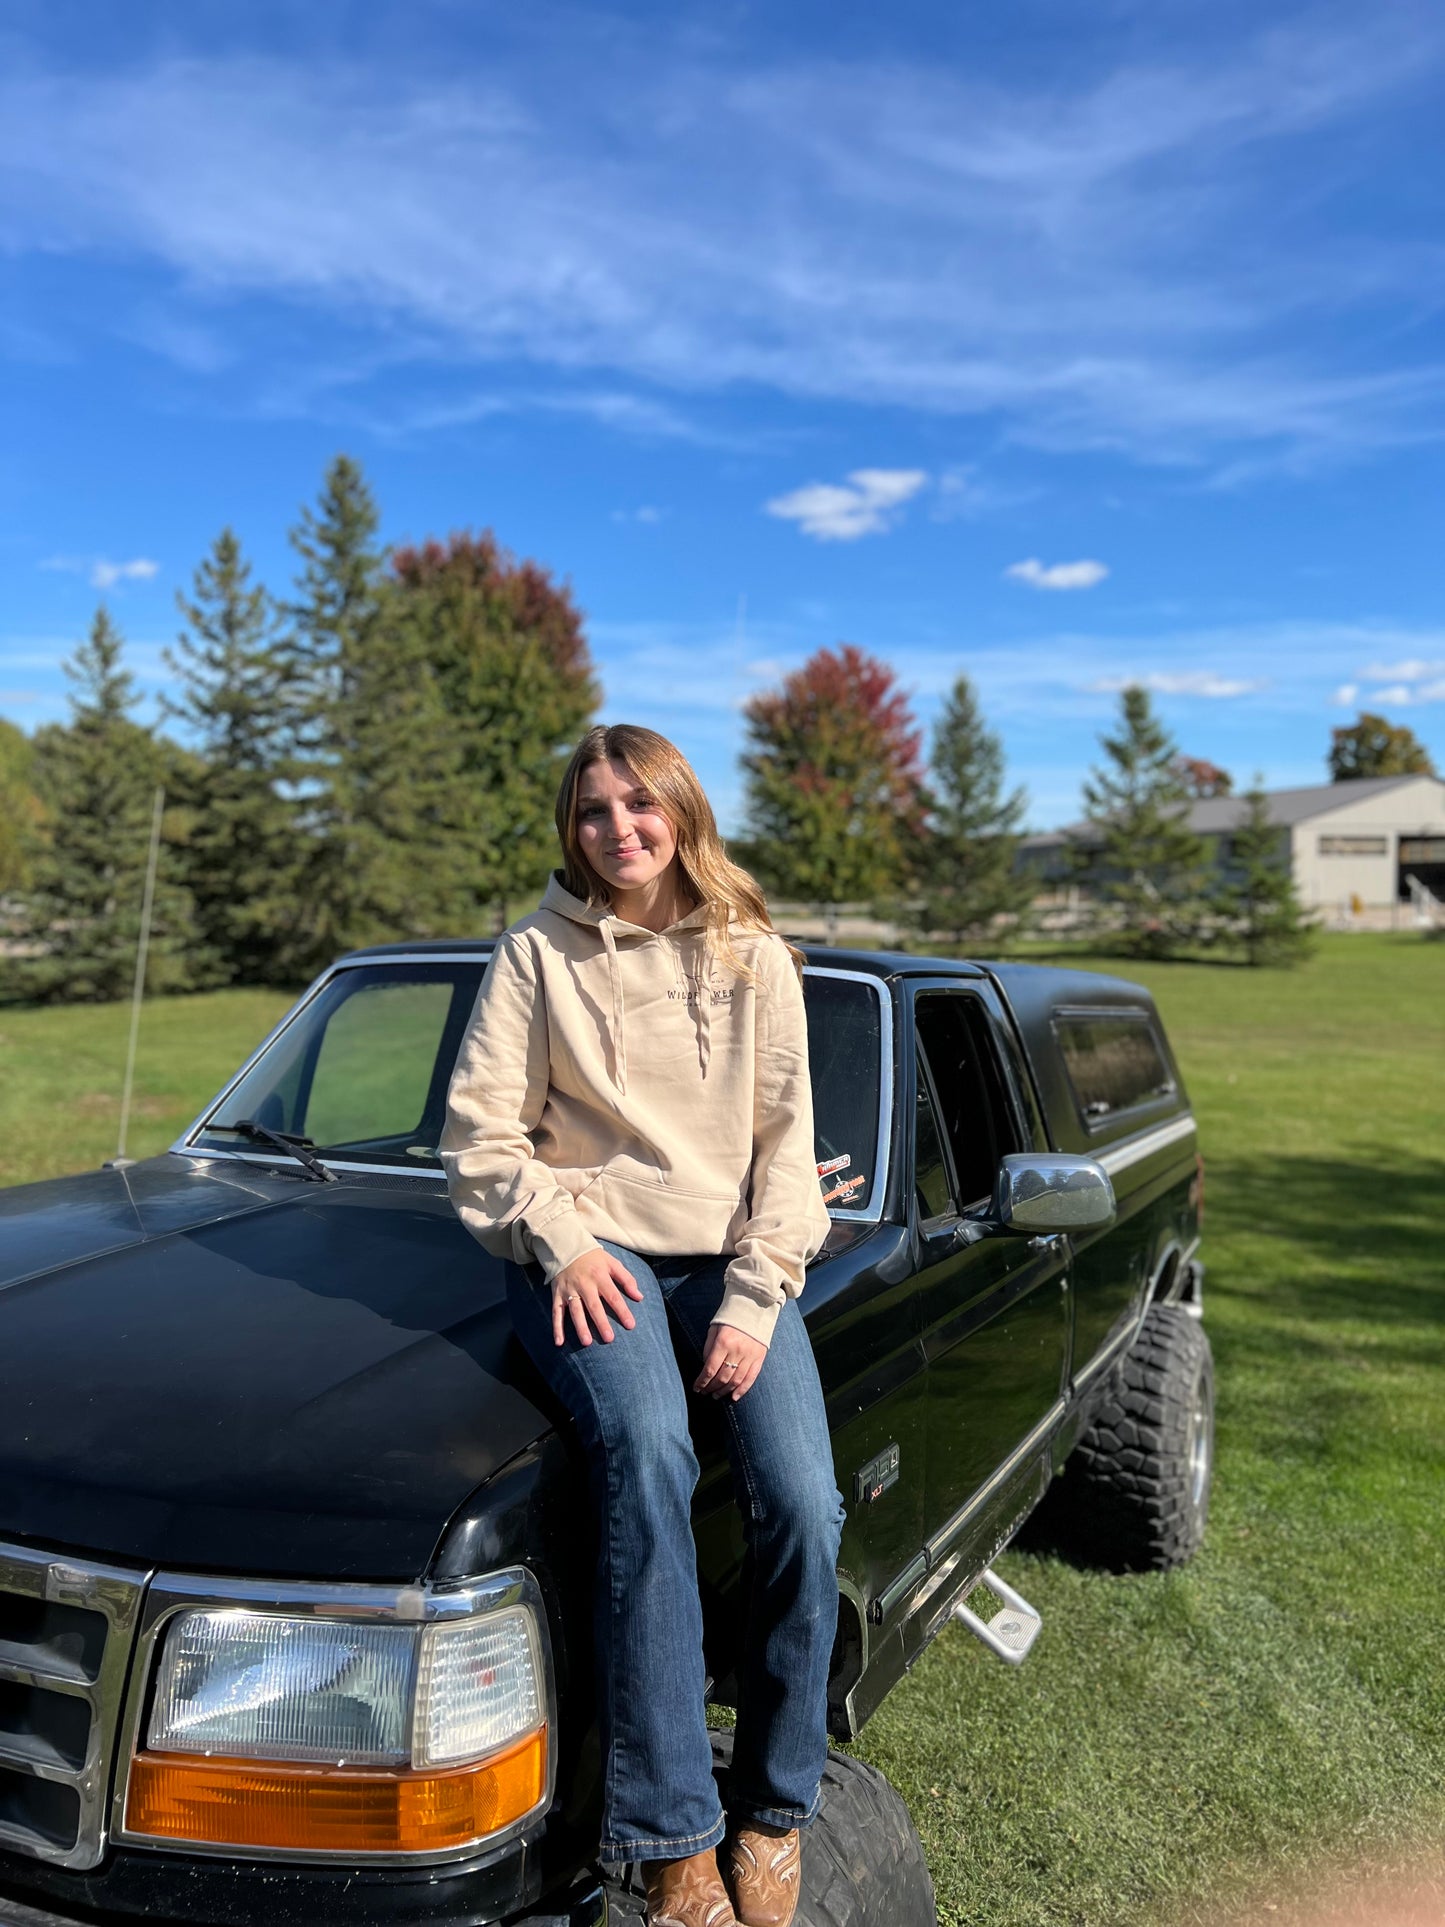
(1009, 1633)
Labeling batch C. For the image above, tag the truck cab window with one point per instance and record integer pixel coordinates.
(976, 1116)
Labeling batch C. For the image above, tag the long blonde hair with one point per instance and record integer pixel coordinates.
(710, 873)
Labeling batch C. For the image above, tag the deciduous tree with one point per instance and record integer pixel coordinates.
(19, 807)
(964, 877)
(1149, 867)
(505, 647)
(1371, 746)
(835, 797)
(1203, 779)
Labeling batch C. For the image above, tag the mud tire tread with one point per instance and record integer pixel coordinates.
(1123, 1500)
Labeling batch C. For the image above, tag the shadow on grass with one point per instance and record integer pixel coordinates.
(1382, 1223)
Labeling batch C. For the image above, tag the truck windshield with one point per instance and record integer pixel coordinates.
(361, 1071)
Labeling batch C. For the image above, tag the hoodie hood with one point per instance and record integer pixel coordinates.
(689, 933)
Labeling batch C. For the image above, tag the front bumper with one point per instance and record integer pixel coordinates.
(585, 1906)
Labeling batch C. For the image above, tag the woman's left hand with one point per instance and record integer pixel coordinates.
(730, 1362)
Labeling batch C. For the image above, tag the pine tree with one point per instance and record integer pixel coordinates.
(240, 856)
(1149, 866)
(96, 779)
(360, 710)
(1258, 897)
(964, 873)
(513, 675)
(835, 796)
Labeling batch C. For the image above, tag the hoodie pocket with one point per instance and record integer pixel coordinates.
(672, 1217)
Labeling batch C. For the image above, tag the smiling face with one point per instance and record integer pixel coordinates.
(621, 829)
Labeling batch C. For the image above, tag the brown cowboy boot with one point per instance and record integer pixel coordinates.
(687, 1893)
(765, 1864)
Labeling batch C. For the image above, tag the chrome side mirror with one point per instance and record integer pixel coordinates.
(1052, 1191)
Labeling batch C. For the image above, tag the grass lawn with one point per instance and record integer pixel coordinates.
(1176, 1747)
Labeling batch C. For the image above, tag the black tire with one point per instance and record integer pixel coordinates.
(1134, 1492)
(863, 1862)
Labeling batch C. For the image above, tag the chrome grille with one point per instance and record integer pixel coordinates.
(66, 1627)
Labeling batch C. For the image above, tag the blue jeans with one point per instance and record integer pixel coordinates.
(629, 1403)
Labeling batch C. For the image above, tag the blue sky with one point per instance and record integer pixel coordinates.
(1062, 345)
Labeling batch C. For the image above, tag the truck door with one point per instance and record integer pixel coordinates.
(994, 1313)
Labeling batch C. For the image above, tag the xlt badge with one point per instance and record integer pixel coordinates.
(874, 1478)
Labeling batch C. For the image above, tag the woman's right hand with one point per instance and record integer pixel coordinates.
(585, 1289)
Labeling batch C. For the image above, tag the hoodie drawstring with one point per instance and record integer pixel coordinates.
(619, 1028)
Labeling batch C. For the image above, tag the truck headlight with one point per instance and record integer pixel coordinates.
(306, 1733)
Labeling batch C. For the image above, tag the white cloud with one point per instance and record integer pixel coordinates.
(1099, 257)
(1345, 695)
(1413, 669)
(1057, 575)
(1182, 682)
(646, 516)
(867, 504)
(1406, 695)
(100, 572)
(105, 575)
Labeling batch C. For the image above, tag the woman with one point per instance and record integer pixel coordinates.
(631, 1125)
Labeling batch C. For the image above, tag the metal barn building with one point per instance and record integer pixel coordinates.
(1355, 844)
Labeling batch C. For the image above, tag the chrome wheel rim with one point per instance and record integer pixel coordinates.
(1200, 1439)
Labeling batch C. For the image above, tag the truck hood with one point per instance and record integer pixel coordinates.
(216, 1366)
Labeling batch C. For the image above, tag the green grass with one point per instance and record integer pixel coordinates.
(1279, 1705)
(1174, 1741)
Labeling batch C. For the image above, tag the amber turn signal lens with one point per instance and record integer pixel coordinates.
(341, 1810)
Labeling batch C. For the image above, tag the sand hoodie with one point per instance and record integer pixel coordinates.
(617, 1082)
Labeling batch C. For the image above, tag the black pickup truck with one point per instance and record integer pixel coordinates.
(294, 1561)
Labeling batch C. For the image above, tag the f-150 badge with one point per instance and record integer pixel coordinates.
(874, 1478)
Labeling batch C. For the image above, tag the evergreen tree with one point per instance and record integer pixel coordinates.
(1149, 866)
(505, 647)
(1371, 746)
(964, 875)
(835, 797)
(241, 855)
(367, 742)
(96, 778)
(1258, 896)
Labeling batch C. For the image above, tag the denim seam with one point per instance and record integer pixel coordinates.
(614, 1738)
(754, 1504)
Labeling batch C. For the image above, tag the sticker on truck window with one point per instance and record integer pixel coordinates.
(835, 1164)
(846, 1189)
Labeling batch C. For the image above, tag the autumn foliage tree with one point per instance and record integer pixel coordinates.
(1202, 779)
(504, 646)
(834, 793)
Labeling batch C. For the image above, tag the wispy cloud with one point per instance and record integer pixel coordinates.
(1099, 261)
(646, 517)
(1179, 682)
(1057, 575)
(1400, 685)
(868, 503)
(101, 573)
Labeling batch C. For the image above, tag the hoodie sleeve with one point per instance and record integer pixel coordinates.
(496, 1097)
(788, 1220)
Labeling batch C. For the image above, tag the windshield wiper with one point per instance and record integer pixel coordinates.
(300, 1148)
